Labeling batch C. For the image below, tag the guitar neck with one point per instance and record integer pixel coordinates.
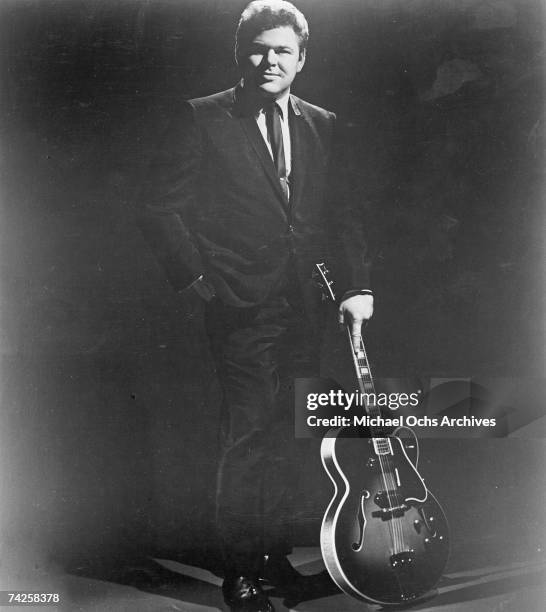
(367, 389)
(382, 444)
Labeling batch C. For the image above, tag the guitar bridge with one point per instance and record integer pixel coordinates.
(385, 514)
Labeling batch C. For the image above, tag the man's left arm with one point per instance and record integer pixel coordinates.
(351, 222)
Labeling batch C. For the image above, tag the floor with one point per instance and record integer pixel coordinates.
(494, 588)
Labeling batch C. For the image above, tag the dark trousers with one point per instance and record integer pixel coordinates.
(258, 352)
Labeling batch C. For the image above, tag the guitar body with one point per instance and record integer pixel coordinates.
(384, 537)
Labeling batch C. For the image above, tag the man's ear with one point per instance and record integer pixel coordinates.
(301, 60)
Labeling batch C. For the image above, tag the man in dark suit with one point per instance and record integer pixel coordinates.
(235, 209)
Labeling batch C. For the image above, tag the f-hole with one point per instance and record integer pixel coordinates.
(361, 519)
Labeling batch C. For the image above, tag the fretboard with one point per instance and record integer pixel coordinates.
(366, 385)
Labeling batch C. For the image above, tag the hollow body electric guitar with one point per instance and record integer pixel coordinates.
(384, 537)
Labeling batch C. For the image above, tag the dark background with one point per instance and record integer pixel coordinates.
(108, 396)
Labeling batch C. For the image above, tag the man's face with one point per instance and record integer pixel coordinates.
(271, 61)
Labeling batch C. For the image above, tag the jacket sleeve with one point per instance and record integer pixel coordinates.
(351, 214)
(170, 192)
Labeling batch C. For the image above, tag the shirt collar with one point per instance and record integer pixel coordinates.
(283, 104)
(283, 101)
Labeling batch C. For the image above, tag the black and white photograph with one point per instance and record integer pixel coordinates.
(272, 305)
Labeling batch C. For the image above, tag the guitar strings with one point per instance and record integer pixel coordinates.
(395, 523)
(394, 528)
(388, 478)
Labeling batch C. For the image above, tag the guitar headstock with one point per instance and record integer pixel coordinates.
(321, 274)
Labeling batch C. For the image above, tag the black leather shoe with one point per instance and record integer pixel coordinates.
(278, 571)
(243, 594)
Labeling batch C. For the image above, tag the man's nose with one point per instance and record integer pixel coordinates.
(271, 57)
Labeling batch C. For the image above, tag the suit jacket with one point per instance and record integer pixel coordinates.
(213, 205)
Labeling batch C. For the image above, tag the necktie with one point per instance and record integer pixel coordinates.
(274, 131)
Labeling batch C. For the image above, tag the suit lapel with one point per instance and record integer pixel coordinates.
(256, 140)
(302, 138)
(244, 111)
(301, 141)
